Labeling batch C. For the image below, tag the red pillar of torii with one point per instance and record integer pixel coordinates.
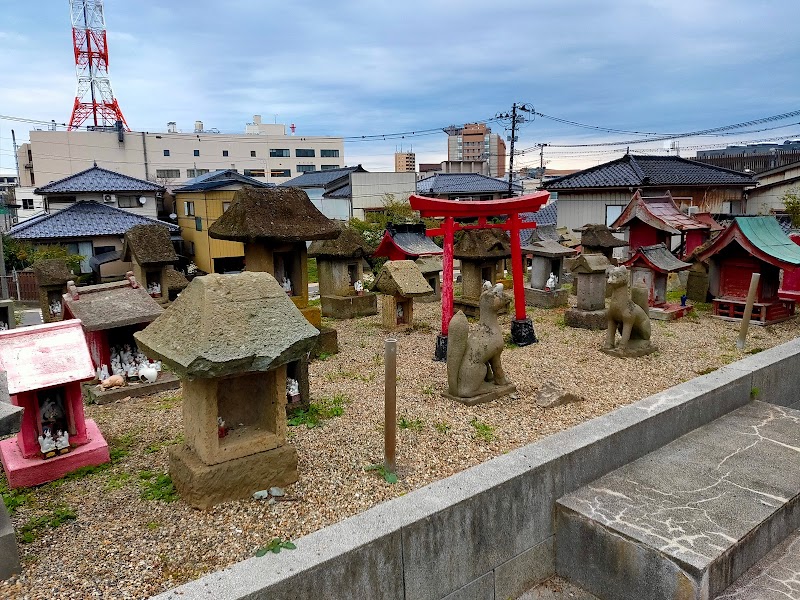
(521, 327)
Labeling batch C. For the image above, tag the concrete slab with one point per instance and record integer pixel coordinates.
(688, 519)
(94, 395)
(775, 577)
(556, 589)
(9, 555)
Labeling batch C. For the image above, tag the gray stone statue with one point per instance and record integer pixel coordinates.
(628, 317)
(474, 371)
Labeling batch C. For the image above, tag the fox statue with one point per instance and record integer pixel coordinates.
(473, 358)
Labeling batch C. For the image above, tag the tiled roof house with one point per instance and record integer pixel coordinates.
(599, 194)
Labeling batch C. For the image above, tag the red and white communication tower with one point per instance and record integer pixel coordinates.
(94, 100)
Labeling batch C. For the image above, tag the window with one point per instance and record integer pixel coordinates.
(103, 250)
(188, 209)
(127, 201)
(329, 153)
(197, 152)
(279, 153)
(166, 152)
(27, 203)
(612, 212)
(224, 153)
(225, 206)
(306, 168)
(198, 223)
(329, 167)
(304, 153)
(195, 172)
(254, 173)
(252, 153)
(280, 173)
(168, 173)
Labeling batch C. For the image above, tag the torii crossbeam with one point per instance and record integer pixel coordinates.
(521, 327)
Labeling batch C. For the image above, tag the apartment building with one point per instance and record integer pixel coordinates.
(476, 142)
(170, 158)
(405, 162)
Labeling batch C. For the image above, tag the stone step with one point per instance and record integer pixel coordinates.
(686, 520)
(774, 577)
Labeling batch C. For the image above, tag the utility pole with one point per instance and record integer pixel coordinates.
(541, 161)
(514, 122)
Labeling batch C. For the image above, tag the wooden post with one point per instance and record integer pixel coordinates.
(447, 274)
(748, 309)
(390, 405)
(516, 268)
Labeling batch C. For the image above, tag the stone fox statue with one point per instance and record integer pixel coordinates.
(624, 315)
(473, 358)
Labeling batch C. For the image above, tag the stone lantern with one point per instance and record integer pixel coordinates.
(482, 253)
(431, 269)
(400, 281)
(547, 259)
(229, 339)
(589, 271)
(52, 275)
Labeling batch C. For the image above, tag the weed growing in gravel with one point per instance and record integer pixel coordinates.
(157, 487)
(412, 424)
(84, 472)
(380, 469)
(442, 427)
(326, 408)
(54, 519)
(119, 447)
(509, 342)
(755, 350)
(169, 402)
(428, 390)
(561, 321)
(754, 392)
(275, 546)
(324, 356)
(422, 326)
(153, 525)
(117, 480)
(483, 431)
(13, 499)
(706, 371)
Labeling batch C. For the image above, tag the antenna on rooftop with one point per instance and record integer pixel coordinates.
(94, 99)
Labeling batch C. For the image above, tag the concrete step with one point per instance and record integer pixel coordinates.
(686, 520)
(774, 577)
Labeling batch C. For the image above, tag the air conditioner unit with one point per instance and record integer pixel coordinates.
(108, 198)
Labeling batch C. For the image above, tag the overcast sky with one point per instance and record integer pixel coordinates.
(351, 68)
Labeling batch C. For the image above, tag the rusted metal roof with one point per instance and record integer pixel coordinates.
(658, 258)
(660, 212)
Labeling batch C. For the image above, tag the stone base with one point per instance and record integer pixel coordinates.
(313, 315)
(669, 312)
(9, 555)
(586, 319)
(203, 486)
(327, 342)
(522, 333)
(440, 353)
(544, 299)
(635, 348)
(27, 472)
(350, 307)
(10, 418)
(94, 395)
(498, 392)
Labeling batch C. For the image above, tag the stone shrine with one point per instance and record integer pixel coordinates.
(482, 253)
(10, 419)
(45, 365)
(431, 268)
(274, 225)
(406, 241)
(149, 250)
(7, 318)
(229, 338)
(52, 275)
(340, 271)
(545, 288)
(589, 276)
(650, 266)
(400, 281)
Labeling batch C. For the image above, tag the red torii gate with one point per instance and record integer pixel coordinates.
(521, 327)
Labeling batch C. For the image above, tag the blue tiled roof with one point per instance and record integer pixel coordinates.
(219, 178)
(346, 191)
(97, 179)
(321, 178)
(463, 183)
(644, 171)
(82, 219)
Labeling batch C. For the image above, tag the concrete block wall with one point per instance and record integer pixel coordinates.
(488, 532)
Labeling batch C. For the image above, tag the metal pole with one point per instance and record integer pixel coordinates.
(511, 154)
(390, 414)
(748, 309)
(3, 280)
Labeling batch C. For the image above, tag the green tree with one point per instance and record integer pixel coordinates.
(20, 255)
(791, 202)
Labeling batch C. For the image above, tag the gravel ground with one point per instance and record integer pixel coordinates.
(123, 546)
